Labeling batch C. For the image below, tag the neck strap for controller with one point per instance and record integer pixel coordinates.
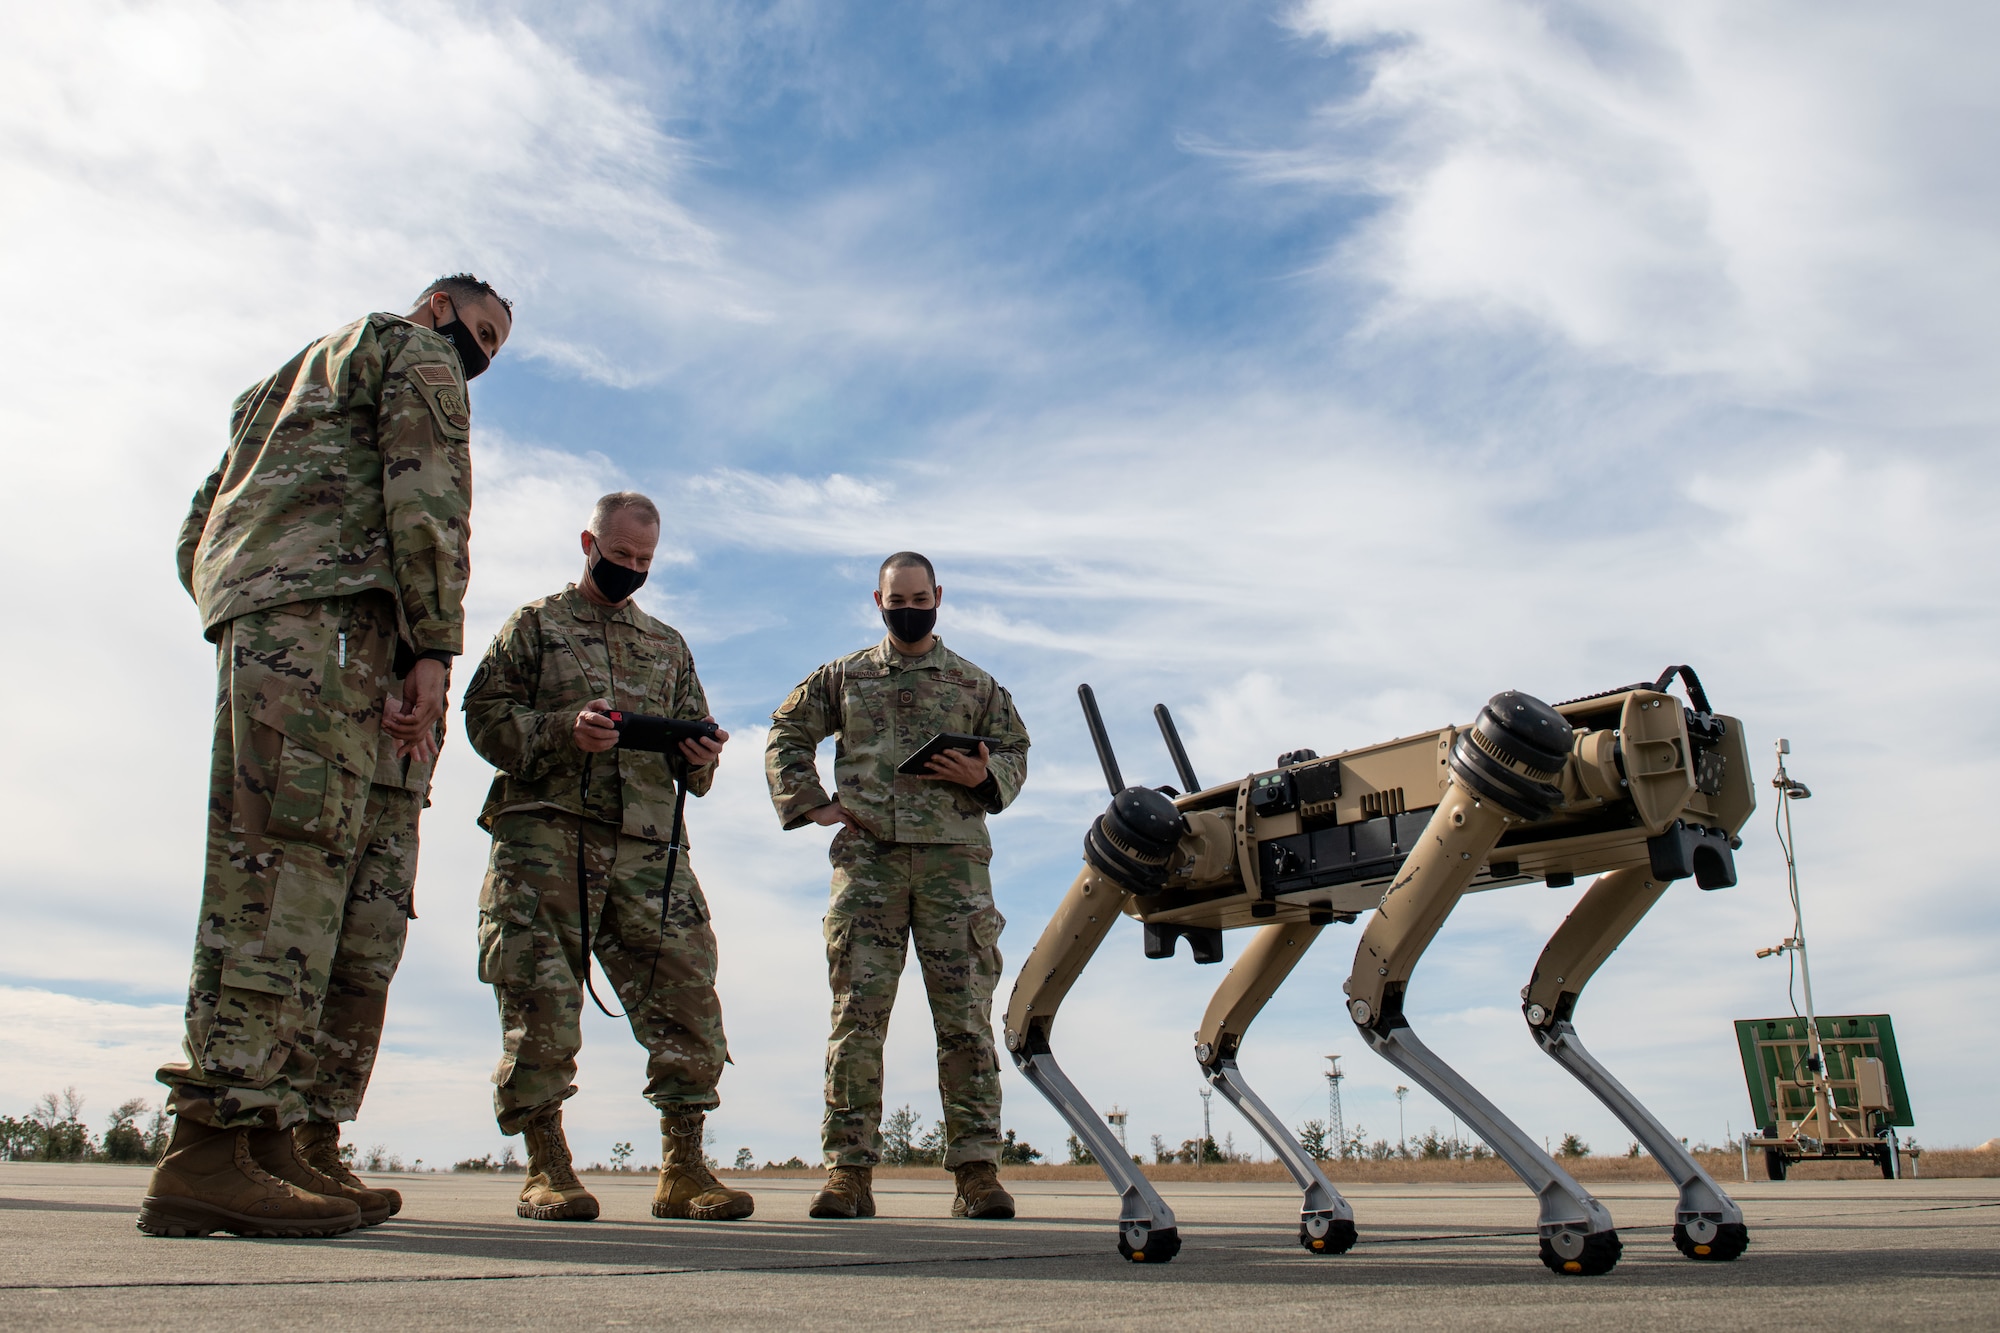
(582, 875)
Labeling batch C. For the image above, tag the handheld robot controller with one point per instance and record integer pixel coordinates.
(660, 735)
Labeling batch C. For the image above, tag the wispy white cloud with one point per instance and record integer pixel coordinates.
(104, 1049)
(1788, 198)
(341, 145)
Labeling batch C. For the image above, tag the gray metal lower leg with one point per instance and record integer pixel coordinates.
(1702, 1205)
(1567, 1209)
(1140, 1207)
(1322, 1200)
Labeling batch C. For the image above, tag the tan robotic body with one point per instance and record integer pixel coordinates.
(1629, 784)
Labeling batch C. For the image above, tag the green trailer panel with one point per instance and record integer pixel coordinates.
(1774, 1054)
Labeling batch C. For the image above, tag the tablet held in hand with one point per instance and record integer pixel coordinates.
(918, 764)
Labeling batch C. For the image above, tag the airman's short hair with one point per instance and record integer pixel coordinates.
(464, 287)
(906, 560)
(617, 503)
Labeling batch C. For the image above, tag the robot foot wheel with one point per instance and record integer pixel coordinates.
(1143, 1245)
(1575, 1254)
(1729, 1240)
(1322, 1233)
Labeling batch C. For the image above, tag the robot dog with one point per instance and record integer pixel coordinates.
(1629, 785)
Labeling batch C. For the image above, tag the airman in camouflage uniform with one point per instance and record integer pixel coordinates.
(910, 861)
(536, 711)
(327, 555)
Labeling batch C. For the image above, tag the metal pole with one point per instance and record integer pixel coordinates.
(1336, 1127)
(1402, 1135)
(1207, 1134)
(1822, 1094)
(1798, 908)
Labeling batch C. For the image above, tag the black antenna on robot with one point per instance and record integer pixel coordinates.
(1102, 740)
(1175, 750)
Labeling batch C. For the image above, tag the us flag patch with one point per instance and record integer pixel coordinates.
(431, 372)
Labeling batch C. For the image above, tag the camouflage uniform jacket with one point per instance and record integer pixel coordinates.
(883, 706)
(346, 470)
(552, 657)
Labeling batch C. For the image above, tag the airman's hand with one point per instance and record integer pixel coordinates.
(411, 721)
(833, 812)
(422, 747)
(958, 766)
(701, 751)
(594, 733)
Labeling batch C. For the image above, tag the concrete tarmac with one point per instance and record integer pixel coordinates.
(1862, 1254)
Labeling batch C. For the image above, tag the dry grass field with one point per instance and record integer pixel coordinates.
(1935, 1163)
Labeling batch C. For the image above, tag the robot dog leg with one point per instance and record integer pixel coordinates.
(1707, 1223)
(1132, 841)
(1502, 772)
(1326, 1221)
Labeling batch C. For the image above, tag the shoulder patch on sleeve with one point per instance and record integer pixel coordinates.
(792, 700)
(438, 387)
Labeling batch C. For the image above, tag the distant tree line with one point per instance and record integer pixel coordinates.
(905, 1142)
(54, 1131)
(507, 1161)
(1430, 1146)
(1204, 1151)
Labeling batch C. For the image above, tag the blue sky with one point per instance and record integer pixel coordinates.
(1318, 369)
(1041, 185)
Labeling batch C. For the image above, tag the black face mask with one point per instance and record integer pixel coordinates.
(470, 354)
(910, 623)
(615, 581)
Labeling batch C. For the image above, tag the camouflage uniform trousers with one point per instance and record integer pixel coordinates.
(307, 896)
(531, 953)
(884, 895)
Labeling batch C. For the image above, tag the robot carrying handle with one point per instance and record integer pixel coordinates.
(1696, 695)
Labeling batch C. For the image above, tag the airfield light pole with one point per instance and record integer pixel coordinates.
(1336, 1128)
(1402, 1135)
(1791, 789)
(1788, 789)
(1207, 1134)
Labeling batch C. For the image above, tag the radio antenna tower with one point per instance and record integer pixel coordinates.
(1336, 1128)
(1207, 1134)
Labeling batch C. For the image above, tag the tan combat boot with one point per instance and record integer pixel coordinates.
(849, 1192)
(276, 1150)
(319, 1148)
(208, 1181)
(979, 1192)
(553, 1193)
(687, 1187)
